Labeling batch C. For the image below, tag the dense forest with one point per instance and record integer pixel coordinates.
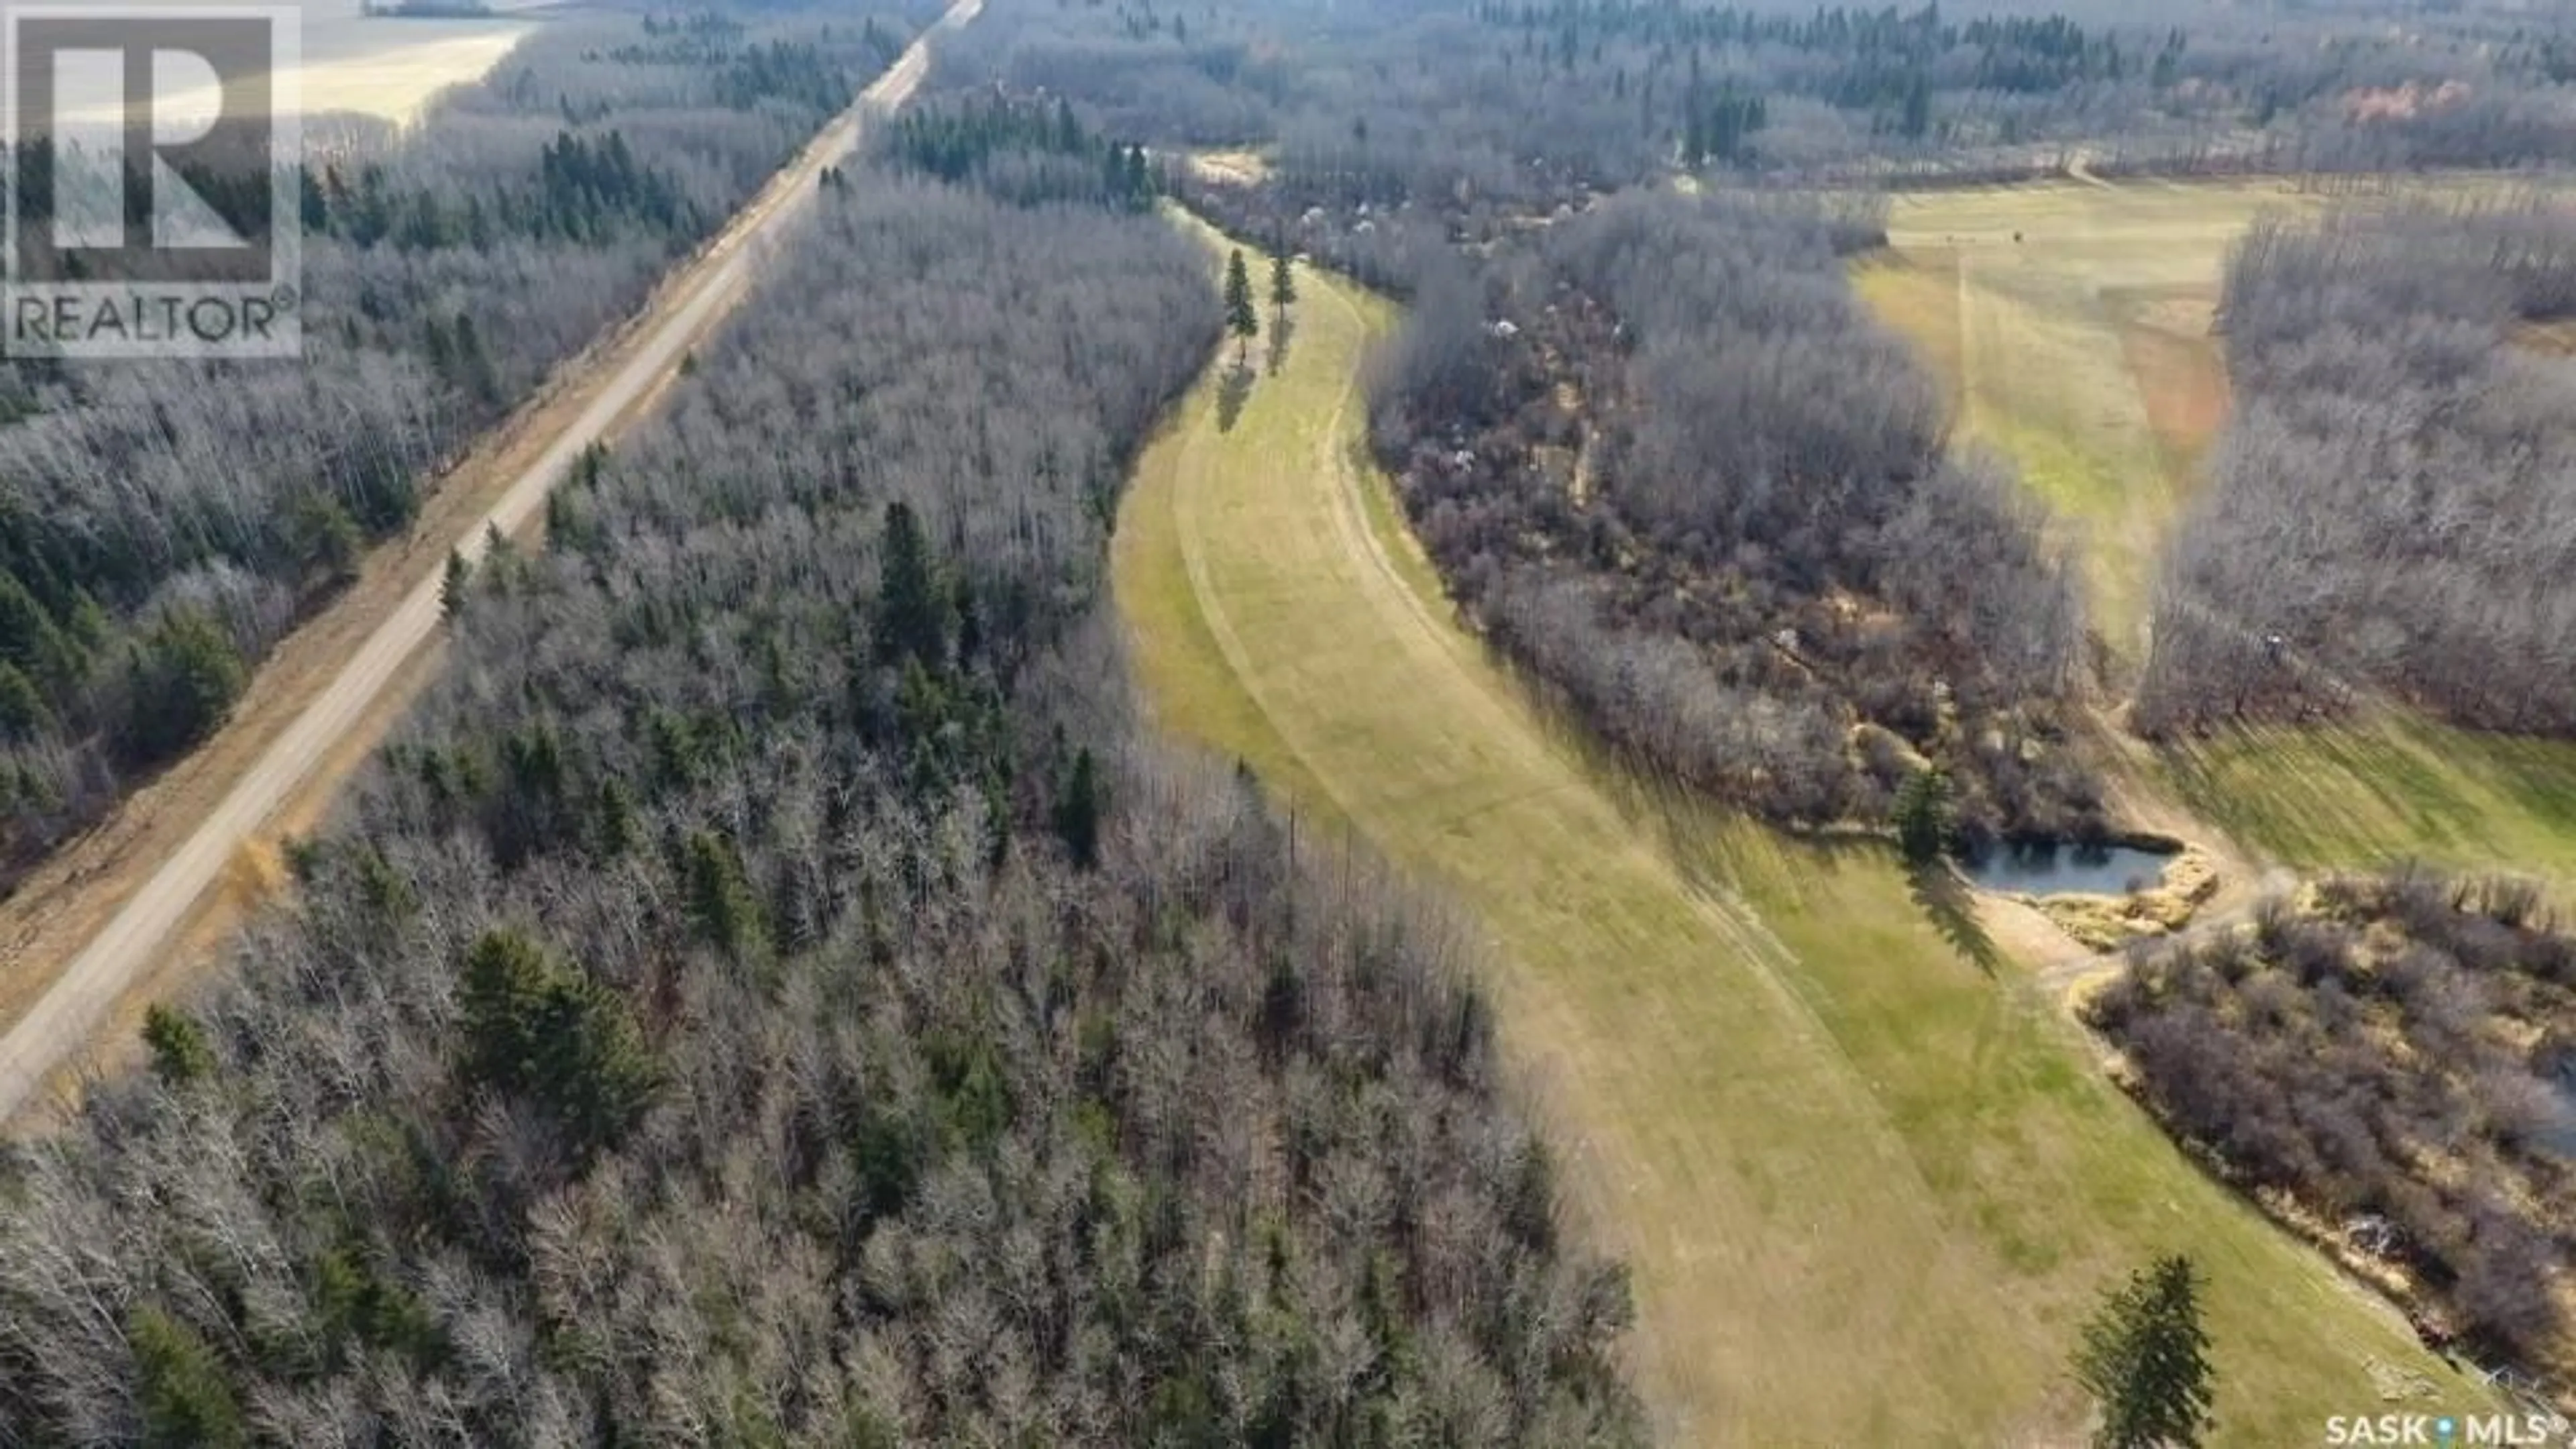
(162, 524)
(2399, 1059)
(769, 992)
(2393, 506)
(1485, 102)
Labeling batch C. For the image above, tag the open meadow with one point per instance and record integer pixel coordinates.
(2071, 323)
(1868, 1184)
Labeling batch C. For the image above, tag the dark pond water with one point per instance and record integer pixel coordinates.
(2560, 1135)
(2050, 870)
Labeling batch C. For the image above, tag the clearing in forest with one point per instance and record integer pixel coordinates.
(1867, 1186)
(2071, 322)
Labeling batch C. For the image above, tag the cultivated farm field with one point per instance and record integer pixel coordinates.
(383, 66)
(1867, 1181)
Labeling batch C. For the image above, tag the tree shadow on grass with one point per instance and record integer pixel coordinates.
(1231, 394)
(1283, 330)
(1952, 908)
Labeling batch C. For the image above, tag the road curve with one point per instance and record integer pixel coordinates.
(684, 309)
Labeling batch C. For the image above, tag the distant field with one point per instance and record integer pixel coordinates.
(375, 65)
(398, 81)
(1867, 1179)
(2072, 323)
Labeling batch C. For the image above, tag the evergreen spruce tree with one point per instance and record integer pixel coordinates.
(1918, 106)
(23, 711)
(452, 586)
(186, 677)
(614, 830)
(543, 1029)
(475, 372)
(2145, 1360)
(1283, 284)
(1922, 816)
(182, 1393)
(589, 465)
(1140, 179)
(1240, 317)
(1077, 811)
(721, 907)
(912, 613)
(180, 1052)
(29, 638)
(326, 538)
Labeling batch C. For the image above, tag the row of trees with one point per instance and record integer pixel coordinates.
(162, 524)
(770, 993)
(1672, 468)
(2400, 1061)
(2393, 507)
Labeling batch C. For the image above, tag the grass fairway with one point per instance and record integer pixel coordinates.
(1867, 1187)
(2387, 789)
(2071, 323)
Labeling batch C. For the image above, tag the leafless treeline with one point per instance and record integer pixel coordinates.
(2402, 1062)
(2394, 504)
(771, 994)
(1482, 102)
(446, 269)
(1667, 459)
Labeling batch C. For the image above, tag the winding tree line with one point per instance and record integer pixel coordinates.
(1667, 460)
(1661, 454)
(2394, 503)
(163, 524)
(770, 993)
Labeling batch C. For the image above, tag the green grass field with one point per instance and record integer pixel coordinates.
(1868, 1181)
(2385, 790)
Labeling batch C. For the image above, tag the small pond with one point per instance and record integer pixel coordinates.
(2559, 1136)
(2054, 870)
